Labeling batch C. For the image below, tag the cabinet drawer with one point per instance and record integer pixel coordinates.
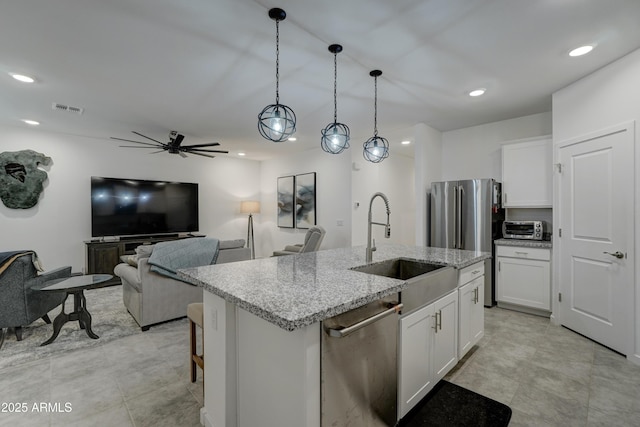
(469, 273)
(524, 252)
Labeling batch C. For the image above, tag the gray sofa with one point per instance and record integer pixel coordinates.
(153, 298)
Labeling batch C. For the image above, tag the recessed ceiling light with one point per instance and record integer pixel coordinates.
(582, 50)
(22, 78)
(31, 122)
(405, 142)
(292, 139)
(477, 92)
(242, 154)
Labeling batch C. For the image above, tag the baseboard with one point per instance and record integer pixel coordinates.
(204, 418)
(523, 309)
(634, 358)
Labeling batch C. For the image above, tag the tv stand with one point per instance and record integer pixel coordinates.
(153, 237)
(102, 256)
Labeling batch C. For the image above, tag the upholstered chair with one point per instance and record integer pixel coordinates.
(312, 241)
(20, 301)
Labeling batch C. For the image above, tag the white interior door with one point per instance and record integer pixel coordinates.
(596, 202)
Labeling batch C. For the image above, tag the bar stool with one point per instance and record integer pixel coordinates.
(195, 313)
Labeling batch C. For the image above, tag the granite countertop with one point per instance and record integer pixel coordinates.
(294, 291)
(543, 244)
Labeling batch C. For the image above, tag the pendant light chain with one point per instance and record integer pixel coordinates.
(277, 62)
(335, 87)
(375, 107)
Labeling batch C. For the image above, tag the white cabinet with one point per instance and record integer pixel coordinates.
(524, 276)
(428, 342)
(471, 303)
(527, 174)
(471, 299)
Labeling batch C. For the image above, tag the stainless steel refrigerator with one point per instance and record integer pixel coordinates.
(467, 215)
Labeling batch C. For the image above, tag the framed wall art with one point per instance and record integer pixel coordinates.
(286, 212)
(305, 200)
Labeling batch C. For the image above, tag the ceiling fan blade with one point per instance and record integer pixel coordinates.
(144, 136)
(137, 142)
(200, 154)
(135, 146)
(159, 151)
(182, 154)
(202, 150)
(210, 144)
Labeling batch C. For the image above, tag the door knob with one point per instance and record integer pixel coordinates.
(616, 254)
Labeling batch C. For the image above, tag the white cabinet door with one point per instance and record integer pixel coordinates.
(477, 315)
(524, 282)
(471, 302)
(428, 346)
(527, 174)
(415, 361)
(445, 338)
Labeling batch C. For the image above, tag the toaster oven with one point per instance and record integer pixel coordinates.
(530, 230)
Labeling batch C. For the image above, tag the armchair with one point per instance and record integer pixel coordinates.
(20, 301)
(312, 241)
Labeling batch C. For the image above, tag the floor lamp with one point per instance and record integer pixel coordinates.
(250, 207)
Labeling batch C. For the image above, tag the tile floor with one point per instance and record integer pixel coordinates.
(548, 375)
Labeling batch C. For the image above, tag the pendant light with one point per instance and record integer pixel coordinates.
(335, 137)
(376, 148)
(277, 122)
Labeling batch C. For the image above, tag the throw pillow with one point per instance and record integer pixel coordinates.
(144, 251)
(131, 260)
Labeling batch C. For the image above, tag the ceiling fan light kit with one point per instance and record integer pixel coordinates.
(335, 136)
(277, 122)
(376, 148)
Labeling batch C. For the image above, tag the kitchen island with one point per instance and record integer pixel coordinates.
(262, 321)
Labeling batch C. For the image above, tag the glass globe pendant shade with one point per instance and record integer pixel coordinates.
(335, 138)
(277, 122)
(376, 149)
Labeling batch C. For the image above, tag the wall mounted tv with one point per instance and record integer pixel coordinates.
(128, 207)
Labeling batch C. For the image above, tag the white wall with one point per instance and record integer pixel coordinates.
(393, 177)
(428, 166)
(608, 97)
(474, 152)
(61, 221)
(333, 199)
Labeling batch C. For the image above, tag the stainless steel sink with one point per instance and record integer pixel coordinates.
(427, 282)
(398, 268)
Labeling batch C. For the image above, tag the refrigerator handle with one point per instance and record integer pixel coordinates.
(455, 216)
(460, 243)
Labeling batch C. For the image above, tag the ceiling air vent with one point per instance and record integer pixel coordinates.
(67, 108)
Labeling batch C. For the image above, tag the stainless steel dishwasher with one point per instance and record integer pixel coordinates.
(359, 366)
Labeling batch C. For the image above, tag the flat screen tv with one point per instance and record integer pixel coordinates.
(133, 207)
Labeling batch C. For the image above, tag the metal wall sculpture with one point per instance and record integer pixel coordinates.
(21, 179)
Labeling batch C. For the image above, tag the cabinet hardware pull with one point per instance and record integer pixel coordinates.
(438, 319)
(475, 272)
(522, 253)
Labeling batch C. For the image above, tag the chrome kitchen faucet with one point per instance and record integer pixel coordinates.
(387, 226)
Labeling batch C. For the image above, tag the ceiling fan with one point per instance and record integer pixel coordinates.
(174, 146)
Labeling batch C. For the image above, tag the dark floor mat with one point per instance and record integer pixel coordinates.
(450, 405)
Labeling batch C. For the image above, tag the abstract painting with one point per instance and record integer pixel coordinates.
(306, 200)
(286, 214)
